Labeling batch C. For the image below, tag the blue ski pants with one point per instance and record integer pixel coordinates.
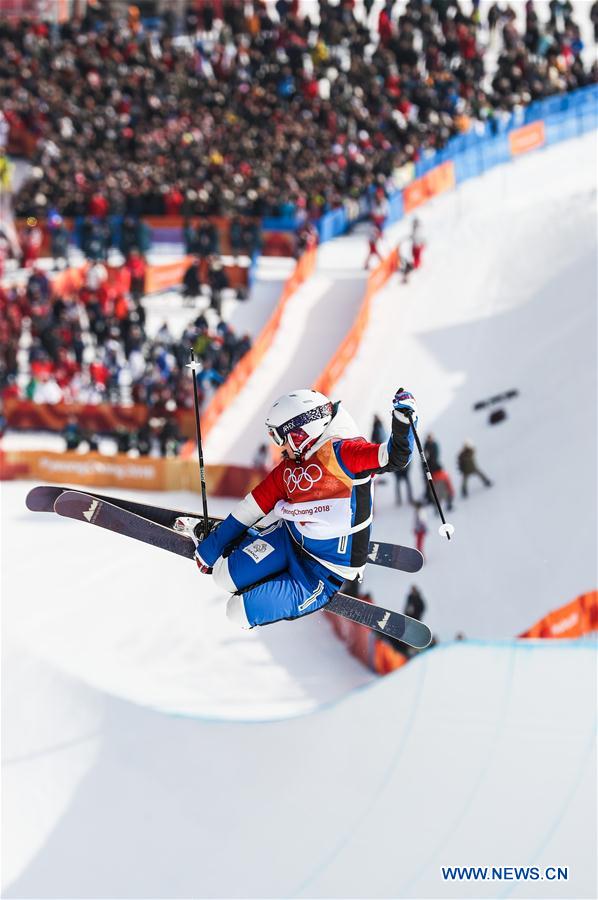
(272, 579)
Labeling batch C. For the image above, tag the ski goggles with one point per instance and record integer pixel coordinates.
(280, 433)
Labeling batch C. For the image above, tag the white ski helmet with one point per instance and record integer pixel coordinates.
(299, 418)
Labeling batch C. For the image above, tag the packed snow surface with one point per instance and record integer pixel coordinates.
(473, 755)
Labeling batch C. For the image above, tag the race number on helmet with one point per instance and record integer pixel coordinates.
(299, 419)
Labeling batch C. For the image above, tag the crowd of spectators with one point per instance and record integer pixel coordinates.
(94, 348)
(253, 109)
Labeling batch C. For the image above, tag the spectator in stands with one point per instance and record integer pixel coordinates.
(47, 390)
(72, 433)
(170, 438)
(206, 240)
(59, 241)
(190, 237)
(95, 239)
(38, 286)
(143, 440)
(380, 208)
(135, 263)
(218, 281)
(92, 440)
(349, 106)
(415, 605)
(31, 241)
(130, 236)
(123, 439)
(173, 201)
(5, 252)
(92, 347)
(244, 236)
(468, 466)
(95, 277)
(192, 281)
(250, 237)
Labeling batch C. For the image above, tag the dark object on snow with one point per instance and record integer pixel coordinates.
(496, 416)
(498, 398)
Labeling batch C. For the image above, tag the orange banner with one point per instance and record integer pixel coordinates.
(350, 344)
(571, 621)
(88, 469)
(139, 473)
(434, 182)
(248, 364)
(167, 275)
(530, 137)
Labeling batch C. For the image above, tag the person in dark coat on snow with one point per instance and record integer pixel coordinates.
(468, 466)
(415, 605)
(378, 430)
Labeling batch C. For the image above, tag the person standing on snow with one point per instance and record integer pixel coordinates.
(374, 235)
(321, 492)
(420, 527)
(468, 466)
(415, 605)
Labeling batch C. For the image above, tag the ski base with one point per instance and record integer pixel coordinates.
(104, 514)
(384, 621)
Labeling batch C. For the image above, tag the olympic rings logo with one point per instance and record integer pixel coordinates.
(300, 479)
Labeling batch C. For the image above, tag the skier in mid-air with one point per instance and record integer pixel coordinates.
(321, 493)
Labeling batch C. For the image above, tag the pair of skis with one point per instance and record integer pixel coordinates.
(154, 525)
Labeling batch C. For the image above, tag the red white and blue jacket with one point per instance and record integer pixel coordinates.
(325, 500)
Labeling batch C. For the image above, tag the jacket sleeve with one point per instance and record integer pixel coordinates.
(250, 510)
(360, 457)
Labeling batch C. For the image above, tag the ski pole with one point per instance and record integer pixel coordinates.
(194, 366)
(446, 528)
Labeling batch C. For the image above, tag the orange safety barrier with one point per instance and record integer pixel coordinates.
(167, 275)
(571, 621)
(434, 182)
(530, 137)
(350, 344)
(248, 364)
(70, 281)
(387, 658)
(357, 638)
(102, 418)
